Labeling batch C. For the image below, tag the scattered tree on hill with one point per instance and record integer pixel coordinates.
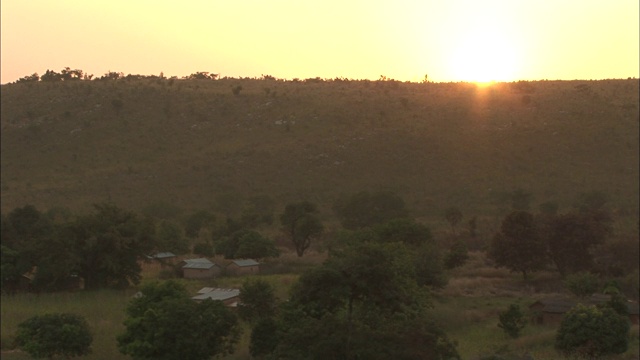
(301, 224)
(29, 78)
(366, 209)
(453, 215)
(164, 323)
(202, 75)
(58, 334)
(257, 210)
(512, 321)
(591, 332)
(51, 76)
(518, 246)
(457, 256)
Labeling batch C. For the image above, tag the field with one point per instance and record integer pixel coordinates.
(467, 308)
(196, 145)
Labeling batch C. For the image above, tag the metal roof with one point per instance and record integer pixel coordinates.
(200, 263)
(162, 255)
(246, 262)
(218, 294)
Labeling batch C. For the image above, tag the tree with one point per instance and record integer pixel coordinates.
(57, 334)
(406, 231)
(518, 246)
(362, 303)
(512, 321)
(458, 254)
(591, 332)
(108, 244)
(170, 237)
(582, 284)
(257, 300)
(301, 224)
(264, 337)
(164, 323)
(572, 237)
(246, 244)
(453, 215)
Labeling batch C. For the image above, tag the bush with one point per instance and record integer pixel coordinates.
(582, 284)
(592, 332)
(50, 335)
(512, 321)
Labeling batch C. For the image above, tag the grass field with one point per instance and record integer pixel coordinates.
(467, 309)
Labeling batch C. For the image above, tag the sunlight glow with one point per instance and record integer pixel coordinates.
(485, 56)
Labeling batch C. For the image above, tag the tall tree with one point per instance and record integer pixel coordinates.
(109, 243)
(301, 224)
(518, 246)
(164, 323)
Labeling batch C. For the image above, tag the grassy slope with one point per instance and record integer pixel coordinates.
(437, 145)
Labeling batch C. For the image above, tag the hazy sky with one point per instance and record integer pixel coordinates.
(448, 40)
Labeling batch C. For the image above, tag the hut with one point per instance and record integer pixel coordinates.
(552, 310)
(200, 268)
(243, 267)
(229, 297)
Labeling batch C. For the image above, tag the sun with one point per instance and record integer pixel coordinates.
(485, 56)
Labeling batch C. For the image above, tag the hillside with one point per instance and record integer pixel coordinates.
(194, 142)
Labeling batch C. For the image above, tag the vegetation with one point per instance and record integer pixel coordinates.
(591, 332)
(50, 335)
(195, 168)
(512, 321)
(164, 323)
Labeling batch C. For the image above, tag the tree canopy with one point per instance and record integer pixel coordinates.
(301, 224)
(164, 323)
(57, 334)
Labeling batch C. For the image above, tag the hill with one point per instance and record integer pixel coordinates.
(211, 143)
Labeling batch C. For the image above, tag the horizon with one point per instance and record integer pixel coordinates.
(456, 41)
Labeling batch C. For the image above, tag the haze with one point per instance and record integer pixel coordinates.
(461, 40)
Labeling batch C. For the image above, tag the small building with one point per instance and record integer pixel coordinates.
(200, 268)
(229, 297)
(552, 310)
(160, 260)
(243, 267)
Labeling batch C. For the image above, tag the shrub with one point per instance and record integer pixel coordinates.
(592, 332)
(55, 334)
(582, 284)
(512, 321)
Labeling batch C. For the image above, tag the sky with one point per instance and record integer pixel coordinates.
(406, 40)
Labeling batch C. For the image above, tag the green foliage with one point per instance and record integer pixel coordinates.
(572, 237)
(203, 249)
(364, 302)
(301, 224)
(457, 256)
(512, 321)
(246, 244)
(590, 332)
(406, 231)
(582, 284)
(264, 338)
(257, 300)
(366, 209)
(57, 334)
(518, 246)
(108, 244)
(164, 323)
(170, 237)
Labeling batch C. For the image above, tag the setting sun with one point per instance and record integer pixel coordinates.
(485, 56)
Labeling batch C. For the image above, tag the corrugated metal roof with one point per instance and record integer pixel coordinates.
(218, 294)
(200, 263)
(246, 262)
(162, 255)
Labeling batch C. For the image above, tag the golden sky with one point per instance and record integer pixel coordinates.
(448, 40)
